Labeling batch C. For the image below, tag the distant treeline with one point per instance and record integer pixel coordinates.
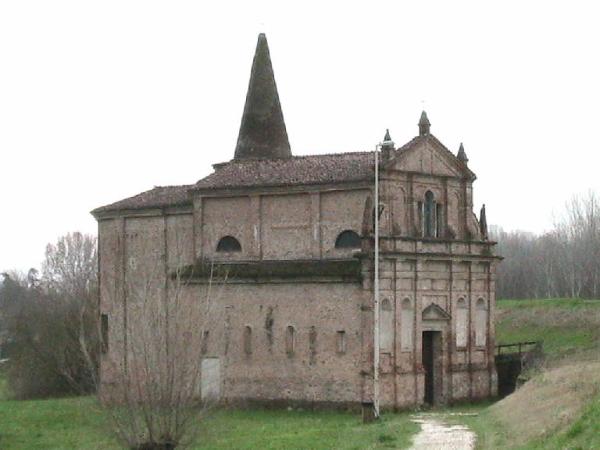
(563, 262)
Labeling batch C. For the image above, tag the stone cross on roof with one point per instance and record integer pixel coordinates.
(262, 131)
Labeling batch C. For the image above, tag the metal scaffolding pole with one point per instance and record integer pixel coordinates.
(376, 292)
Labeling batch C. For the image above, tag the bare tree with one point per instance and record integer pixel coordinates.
(46, 318)
(70, 267)
(560, 263)
(152, 386)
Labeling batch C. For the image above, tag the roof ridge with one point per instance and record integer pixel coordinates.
(312, 155)
(356, 152)
(171, 186)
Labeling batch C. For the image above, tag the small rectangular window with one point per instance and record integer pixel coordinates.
(312, 346)
(204, 347)
(290, 340)
(341, 341)
(104, 333)
(248, 340)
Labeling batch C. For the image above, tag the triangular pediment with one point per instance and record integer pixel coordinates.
(427, 155)
(435, 312)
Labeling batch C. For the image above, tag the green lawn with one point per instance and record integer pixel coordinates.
(77, 423)
(68, 423)
(570, 330)
(305, 430)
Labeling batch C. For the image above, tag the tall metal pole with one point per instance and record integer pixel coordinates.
(376, 293)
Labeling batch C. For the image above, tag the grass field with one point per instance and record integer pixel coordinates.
(557, 409)
(77, 423)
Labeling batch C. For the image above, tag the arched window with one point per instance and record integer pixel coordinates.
(347, 239)
(429, 215)
(386, 329)
(462, 323)
(406, 325)
(248, 340)
(481, 323)
(290, 339)
(229, 244)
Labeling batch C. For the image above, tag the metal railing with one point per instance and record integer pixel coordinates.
(528, 345)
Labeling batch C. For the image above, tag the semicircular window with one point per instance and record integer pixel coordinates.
(347, 239)
(229, 244)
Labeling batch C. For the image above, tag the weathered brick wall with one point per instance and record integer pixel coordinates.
(416, 274)
(134, 252)
(279, 226)
(410, 285)
(314, 371)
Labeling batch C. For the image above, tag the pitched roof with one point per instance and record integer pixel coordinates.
(158, 197)
(297, 170)
(294, 171)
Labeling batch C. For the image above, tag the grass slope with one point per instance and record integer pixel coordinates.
(560, 407)
(569, 328)
(584, 433)
(548, 412)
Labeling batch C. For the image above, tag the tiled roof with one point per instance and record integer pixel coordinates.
(158, 197)
(297, 170)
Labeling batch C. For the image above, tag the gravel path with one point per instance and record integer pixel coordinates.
(436, 435)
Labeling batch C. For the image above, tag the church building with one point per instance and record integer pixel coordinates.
(284, 246)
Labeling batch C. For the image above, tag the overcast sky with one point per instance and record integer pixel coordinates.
(102, 100)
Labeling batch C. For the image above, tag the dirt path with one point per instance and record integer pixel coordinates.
(436, 435)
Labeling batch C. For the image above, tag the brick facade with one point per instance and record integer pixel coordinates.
(310, 324)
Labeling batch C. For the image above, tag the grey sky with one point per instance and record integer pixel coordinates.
(102, 100)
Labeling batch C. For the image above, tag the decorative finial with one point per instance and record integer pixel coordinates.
(483, 223)
(387, 146)
(387, 137)
(424, 124)
(462, 155)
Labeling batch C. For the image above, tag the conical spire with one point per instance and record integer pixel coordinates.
(462, 155)
(483, 223)
(424, 124)
(262, 132)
